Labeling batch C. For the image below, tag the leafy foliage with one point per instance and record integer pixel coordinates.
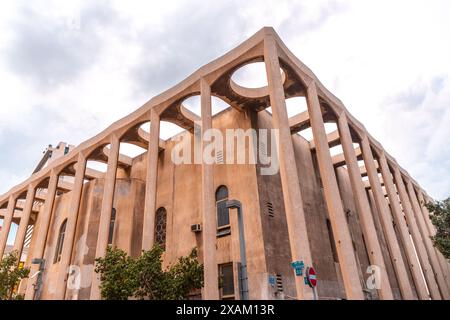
(10, 276)
(117, 274)
(440, 217)
(124, 277)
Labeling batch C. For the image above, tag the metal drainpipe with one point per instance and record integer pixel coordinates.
(236, 204)
(39, 274)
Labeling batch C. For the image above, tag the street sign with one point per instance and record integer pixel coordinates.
(272, 280)
(311, 277)
(298, 267)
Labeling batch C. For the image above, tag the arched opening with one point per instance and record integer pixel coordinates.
(97, 165)
(60, 242)
(193, 104)
(223, 215)
(252, 75)
(168, 130)
(160, 227)
(294, 106)
(112, 223)
(131, 150)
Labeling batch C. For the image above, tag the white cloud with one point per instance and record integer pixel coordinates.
(70, 70)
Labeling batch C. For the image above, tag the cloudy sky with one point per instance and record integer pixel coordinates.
(68, 69)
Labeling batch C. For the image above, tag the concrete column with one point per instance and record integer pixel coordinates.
(70, 228)
(400, 222)
(148, 233)
(338, 220)
(293, 203)
(427, 242)
(362, 204)
(7, 220)
(386, 221)
(24, 221)
(211, 285)
(41, 231)
(431, 232)
(418, 242)
(105, 214)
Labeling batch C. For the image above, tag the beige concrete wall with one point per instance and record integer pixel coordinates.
(179, 192)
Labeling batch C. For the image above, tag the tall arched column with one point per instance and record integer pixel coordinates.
(24, 221)
(386, 220)
(148, 233)
(338, 219)
(69, 236)
(364, 212)
(400, 222)
(7, 220)
(211, 285)
(418, 242)
(105, 214)
(427, 242)
(293, 203)
(42, 231)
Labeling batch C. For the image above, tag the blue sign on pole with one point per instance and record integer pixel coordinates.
(298, 267)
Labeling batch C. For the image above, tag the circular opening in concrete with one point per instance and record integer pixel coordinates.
(252, 75)
(250, 80)
(193, 105)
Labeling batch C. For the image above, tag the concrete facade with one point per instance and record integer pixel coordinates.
(344, 214)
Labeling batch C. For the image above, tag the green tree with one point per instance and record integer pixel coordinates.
(440, 217)
(123, 277)
(10, 276)
(117, 276)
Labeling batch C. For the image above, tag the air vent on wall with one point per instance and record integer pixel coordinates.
(270, 210)
(279, 282)
(219, 157)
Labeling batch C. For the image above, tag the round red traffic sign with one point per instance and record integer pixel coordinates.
(311, 276)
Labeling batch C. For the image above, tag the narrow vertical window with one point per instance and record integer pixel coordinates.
(112, 222)
(227, 281)
(60, 242)
(331, 239)
(160, 227)
(223, 217)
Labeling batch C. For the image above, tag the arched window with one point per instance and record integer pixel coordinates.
(60, 242)
(112, 222)
(160, 227)
(223, 217)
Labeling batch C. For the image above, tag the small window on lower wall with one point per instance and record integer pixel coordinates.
(226, 281)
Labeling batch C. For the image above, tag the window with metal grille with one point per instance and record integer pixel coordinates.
(60, 242)
(219, 157)
(160, 227)
(223, 216)
(112, 222)
(227, 280)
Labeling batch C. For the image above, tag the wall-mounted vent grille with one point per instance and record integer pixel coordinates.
(270, 210)
(279, 282)
(219, 157)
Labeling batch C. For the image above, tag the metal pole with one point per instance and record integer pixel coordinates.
(236, 204)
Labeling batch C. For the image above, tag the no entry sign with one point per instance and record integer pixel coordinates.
(311, 277)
